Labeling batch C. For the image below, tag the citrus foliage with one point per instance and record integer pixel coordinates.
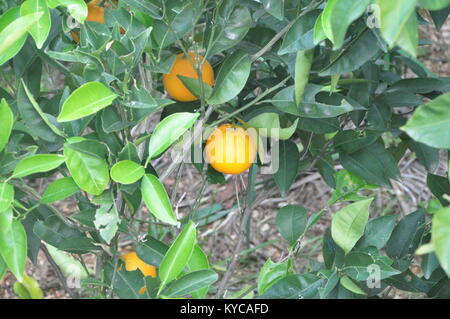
(325, 74)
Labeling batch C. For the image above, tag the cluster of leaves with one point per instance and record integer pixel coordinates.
(326, 73)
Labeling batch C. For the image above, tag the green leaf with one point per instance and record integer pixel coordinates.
(295, 287)
(37, 164)
(347, 186)
(6, 123)
(337, 17)
(357, 266)
(178, 255)
(434, 4)
(42, 27)
(193, 85)
(12, 36)
(107, 222)
(152, 251)
(348, 224)
(69, 266)
(6, 219)
(303, 63)
(270, 273)
(353, 56)
(269, 124)
(56, 233)
(275, 8)
(13, 249)
(231, 79)
(126, 283)
(127, 172)
(288, 166)
(394, 17)
(90, 173)
(300, 35)
(157, 200)
(291, 222)
(190, 283)
(408, 39)
(439, 186)
(378, 231)
(77, 8)
(59, 189)
(199, 261)
(233, 25)
(88, 99)
(430, 123)
(373, 163)
(38, 110)
(427, 156)
(440, 236)
(401, 241)
(146, 7)
(179, 18)
(347, 283)
(168, 131)
(6, 196)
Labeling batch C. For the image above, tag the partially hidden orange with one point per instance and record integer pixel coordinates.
(230, 149)
(186, 66)
(96, 13)
(133, 262)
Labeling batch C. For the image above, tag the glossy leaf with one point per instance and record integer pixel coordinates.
(190, 283)
(441, 237)
(199, 261)
(6, 220)
(373, 163)
(37, 164)
(6, 196)
(178, 255)
(270, 273)
(291, 222)
(13, 249)
(288, 166)
(157, 200)
(77, 8)
(107, 222)
(378, 231)
(6, 123)
(234, 23)
(11, 37)
(88, 99)
(401, 240)
(59, 189)
(269, 124)
(127, 172)
(168, 131)
(430, 122)
(295, 287)
(90, 173)
(275, 8)
(231, 79)
(348, 284)
(337, 17)
(348, 224)
(42, 27)
(394, 16)
(300, 36)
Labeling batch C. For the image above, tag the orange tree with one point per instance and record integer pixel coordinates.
(79, 83)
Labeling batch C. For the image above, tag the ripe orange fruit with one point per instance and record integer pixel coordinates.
(133, 262)
(185, 66)
(230, 149)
